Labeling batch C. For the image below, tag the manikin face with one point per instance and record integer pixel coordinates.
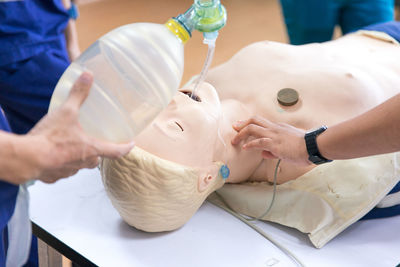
(186, 132)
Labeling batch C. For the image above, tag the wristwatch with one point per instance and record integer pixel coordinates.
(312, 148)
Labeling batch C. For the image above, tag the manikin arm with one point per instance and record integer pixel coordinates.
(56, 147)
(376, 131)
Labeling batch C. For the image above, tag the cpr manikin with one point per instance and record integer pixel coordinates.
(177, 160)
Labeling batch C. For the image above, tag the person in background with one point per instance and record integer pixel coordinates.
(37, 41)
(34, 52)
(309, 21)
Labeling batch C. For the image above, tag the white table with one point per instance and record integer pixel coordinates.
(76, 215)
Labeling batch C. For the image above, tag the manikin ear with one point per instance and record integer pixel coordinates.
(208, 177)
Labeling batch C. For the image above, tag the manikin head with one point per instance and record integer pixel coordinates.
(175, 165)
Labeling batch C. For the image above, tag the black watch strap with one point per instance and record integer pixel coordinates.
(312, 148)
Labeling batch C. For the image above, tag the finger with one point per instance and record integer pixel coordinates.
(250, 130)
(237, 126)
(257, 120)
(89, 163)
(80, 90)
(57, 175)
(259, 143)
(92, 163)
(111, 150)
(49, 180)
(268, 155)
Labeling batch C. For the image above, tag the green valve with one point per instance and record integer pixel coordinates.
(211, 15)
(206, 16)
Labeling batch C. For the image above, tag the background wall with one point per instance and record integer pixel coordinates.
(248, 21)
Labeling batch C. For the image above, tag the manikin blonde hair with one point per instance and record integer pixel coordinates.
(153, 194)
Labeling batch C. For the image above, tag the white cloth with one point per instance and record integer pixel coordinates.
(324, 201)
(19, 231)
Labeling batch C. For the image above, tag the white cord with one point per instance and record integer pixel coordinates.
(257, 229)
(261, 232)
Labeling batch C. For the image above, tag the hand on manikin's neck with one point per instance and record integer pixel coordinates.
(241, 163)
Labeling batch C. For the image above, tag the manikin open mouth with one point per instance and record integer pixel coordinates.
(192, 96)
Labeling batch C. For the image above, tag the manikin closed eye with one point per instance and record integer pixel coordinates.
(180, 126)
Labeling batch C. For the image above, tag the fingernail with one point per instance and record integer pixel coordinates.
(235, 140)
(238, 123)
(86, 78)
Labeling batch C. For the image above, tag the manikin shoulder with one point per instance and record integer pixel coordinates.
(333, 71)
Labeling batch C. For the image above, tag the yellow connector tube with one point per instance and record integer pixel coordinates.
(176, 28)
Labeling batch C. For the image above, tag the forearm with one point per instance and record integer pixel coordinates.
(66, 3)
(71, 35)
(374, 132)
(18, 158)
(56, 147)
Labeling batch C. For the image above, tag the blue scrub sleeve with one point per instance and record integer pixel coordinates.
(26, 88)
(392, 28)
(29, 27)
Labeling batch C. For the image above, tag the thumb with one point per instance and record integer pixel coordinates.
(80, 90)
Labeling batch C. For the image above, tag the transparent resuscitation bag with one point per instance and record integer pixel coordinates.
(137, 69)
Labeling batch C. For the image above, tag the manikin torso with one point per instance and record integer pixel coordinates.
(335, 81)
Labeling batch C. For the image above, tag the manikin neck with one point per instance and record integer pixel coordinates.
(241, 163)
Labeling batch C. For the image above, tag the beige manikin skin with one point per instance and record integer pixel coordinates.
(335, 81)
